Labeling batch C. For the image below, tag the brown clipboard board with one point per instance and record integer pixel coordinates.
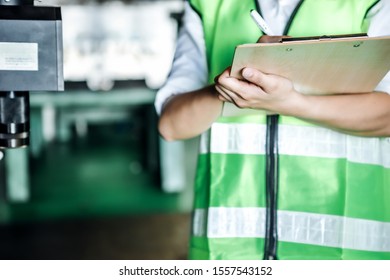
(321, 65)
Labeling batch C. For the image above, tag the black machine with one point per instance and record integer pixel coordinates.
(31, 59)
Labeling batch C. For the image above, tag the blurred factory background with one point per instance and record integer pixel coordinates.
(97, 182)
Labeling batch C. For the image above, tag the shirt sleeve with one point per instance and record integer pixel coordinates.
(379, 26)
(189, 69)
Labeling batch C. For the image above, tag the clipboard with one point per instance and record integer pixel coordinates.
(351, 63)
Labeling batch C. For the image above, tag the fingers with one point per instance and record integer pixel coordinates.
(267, 82)
(271, 39)
(223, 96)
(243, 93)
(224, 74)
(230, 96)
(228, 84)
(221, 85)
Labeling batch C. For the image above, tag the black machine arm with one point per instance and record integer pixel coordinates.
(30, 60)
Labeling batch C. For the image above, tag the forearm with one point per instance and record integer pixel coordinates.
(358, 114)
(188, 115)
(363, 114)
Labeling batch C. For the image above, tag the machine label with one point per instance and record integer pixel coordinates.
(19, 56)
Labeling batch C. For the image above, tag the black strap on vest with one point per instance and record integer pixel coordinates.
(272, 177)
(272, 172)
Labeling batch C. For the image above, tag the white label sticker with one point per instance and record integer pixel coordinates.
(19, 56)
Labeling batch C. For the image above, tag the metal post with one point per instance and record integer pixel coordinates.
(14, 119)
(15, 133)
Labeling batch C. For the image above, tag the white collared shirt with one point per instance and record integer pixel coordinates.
(189, 68)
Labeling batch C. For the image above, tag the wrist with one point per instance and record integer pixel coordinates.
(296, 106)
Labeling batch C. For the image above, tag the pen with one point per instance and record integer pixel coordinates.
(260, 22)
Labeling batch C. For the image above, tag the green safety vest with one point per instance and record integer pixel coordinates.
(334, 189)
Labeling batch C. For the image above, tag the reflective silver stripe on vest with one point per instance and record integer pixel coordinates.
(297, 227)
(229, 222)
(298, 140)
(234, 139)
